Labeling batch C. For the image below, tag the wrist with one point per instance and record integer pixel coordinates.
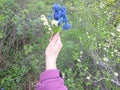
(50, 66)
(51, 63)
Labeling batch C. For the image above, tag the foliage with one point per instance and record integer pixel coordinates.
(90, 58)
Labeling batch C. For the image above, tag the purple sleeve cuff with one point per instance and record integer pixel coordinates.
(48, 74)
(50, 80)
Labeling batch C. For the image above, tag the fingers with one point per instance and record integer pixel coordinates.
(55, 39)
(58, 42)
(58, 45)
(54, 47)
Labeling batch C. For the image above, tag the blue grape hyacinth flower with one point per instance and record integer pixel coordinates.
(67, 26)
(50, 17)
(60, 14)
(2, 89)
(64, 12)
(56, 7)
(60, 21)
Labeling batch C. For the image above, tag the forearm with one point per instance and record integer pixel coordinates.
(50, 79)
(50, 63)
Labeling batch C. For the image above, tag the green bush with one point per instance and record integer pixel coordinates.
(89, 59)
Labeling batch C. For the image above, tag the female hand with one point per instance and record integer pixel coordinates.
(52, 52)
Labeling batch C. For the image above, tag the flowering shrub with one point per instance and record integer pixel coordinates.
(90, 58)
(58, 19)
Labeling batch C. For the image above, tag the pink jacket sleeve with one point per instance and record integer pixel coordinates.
(50, 80)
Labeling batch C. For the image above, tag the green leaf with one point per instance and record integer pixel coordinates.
(56, 30)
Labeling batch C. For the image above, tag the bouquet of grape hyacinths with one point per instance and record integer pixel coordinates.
(58, 21)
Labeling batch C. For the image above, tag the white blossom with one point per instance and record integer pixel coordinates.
(105, 49)
(87, 33)
(88, 36)
(105, 11)
(46, 24)
(105, 59)
(113, 34)
(78, 60)
(81, 52)
(80, 20)
(45, 21)
(118, 28)
(102, 5)
(116, 74)
(63, 75)
(97, 62)
(88, 78)
(115, 50)
(99, 44)
(55, 22)
(49, 29)
(43, 18)
(103, 28)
